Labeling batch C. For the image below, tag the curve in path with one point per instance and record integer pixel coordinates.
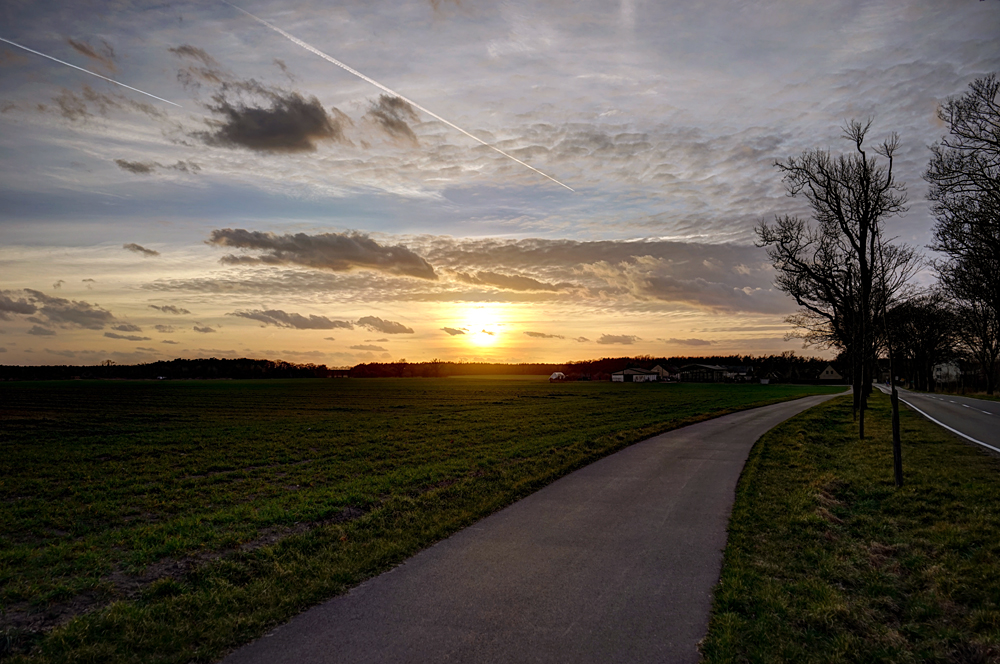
(612, 563)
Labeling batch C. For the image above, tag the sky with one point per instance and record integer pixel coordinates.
(494, 181)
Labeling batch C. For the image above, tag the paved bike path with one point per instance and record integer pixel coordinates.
(613, 563)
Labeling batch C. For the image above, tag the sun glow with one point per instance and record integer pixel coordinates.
(483, 325)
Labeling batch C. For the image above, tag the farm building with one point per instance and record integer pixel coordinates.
(703, 373)
(634, 376)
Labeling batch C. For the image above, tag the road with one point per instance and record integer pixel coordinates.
(975, 420)
(613, 563)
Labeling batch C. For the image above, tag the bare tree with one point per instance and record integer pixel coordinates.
(840, 271)
(964, 177)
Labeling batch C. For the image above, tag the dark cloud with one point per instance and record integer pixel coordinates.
(194, 53)
(204, 329)
(150, 167)
(169, 341)
(542, 335)
(59, 311)
(328, 339)
(280, 64)
(452, 331)
(368, 347)
(126, 337)
(40, 331)
(488, 332)
(390, 114)
(274, 121)
(508, 281)
(58, 284)
(9, 306)
(2, 349)
(338, 252)
(688, 342)
(169, 309)
(384, 326)
(165, 329)
(78, 107)
(126, 327)
(624, 339)
(581, 339)
(104, 55)
(279, 318)
(139, 249)
(136, 167)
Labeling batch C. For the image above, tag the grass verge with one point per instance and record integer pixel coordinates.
(172, 521)
(828, 562)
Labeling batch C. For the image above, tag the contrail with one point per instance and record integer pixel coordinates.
(87, 71)
(340, 64)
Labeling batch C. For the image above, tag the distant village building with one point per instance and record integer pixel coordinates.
(830, 374)
(634, 376)
(949, 372)
(665, 373)
(702, 373)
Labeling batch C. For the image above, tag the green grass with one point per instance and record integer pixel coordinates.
(828, 562)
(173, 521)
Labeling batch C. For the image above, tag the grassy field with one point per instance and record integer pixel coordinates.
(828, 562)
(172, 521)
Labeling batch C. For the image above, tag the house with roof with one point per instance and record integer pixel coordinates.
(635, 376)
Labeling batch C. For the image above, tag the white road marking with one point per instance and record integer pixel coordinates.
(955, 431)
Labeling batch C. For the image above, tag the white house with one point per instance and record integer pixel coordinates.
(634, 376)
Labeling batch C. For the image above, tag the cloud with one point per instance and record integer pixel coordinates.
(58, 284)
(169, 309)
(139, 249)
(328, 339)
(624, 339)
(78, 107)
(581, 339)
(452, 331)
(688, 342)
(126, 327)
(170, 341)
(149, 167)
(273, 121)
(488, 332)
(510, 282)
(390, 114)
(542, 335)
(279, 318)
(368, 347)
(204, 329)
(165, 329)
(105, 56)
(40, 331)
(137, 167)
(9, 306)
(195, 53)
(338, 252)
(384, 326)
(70, 312)
(126, 337)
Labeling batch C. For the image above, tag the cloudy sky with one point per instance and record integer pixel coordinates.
(287, 208)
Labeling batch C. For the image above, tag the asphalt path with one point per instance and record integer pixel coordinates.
(975, 420)
(613, 563)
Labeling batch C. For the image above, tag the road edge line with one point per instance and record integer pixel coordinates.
(955, 431)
